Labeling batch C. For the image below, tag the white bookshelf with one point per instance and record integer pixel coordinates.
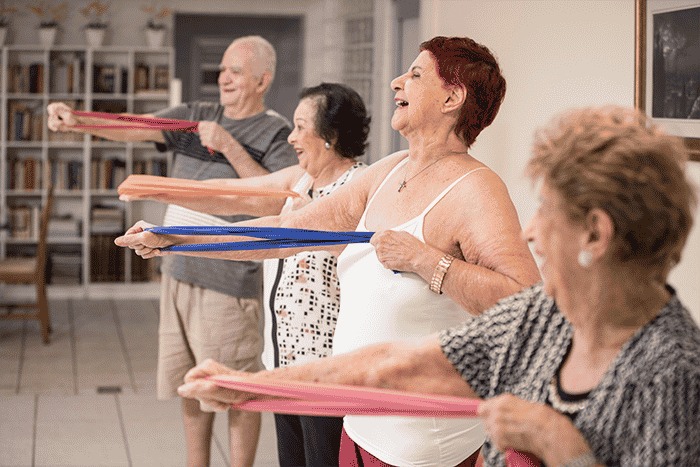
(86, 171)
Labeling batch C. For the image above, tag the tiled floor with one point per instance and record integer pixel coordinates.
(51, 413)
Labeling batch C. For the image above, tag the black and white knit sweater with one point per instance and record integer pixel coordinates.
(646, 409)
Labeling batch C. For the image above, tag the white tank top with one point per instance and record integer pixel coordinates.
(376, 306)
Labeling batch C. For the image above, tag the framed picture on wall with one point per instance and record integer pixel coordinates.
(667, 66)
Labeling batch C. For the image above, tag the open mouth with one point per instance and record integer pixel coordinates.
(400, 103)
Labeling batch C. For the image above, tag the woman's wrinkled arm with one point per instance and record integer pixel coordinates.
(497, 261)
(492, 261)
(421, 368)
(339, 211)
(231, 205)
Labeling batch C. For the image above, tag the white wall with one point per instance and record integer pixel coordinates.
(555, 55)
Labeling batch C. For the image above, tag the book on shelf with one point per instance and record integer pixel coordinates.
(66, 174)
(74, 172)
(67, 74)
(109, 79)
(24, 222)
(24, 174)
(26, 78)
(25, 121)
(158, 166)
(151, 80)
(107, 174)
(161, 77)
(107, 219)
(65, 267)
(32, 174)
(141, 73)
(63, 226)
(144, 270)
(106, 259)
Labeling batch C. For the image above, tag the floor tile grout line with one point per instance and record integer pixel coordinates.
(34, 428)
(122, 425)
(73, 345)
(20, 363)
(122, 343)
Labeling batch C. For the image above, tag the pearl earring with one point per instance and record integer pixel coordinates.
(585, 258)
(327, 145)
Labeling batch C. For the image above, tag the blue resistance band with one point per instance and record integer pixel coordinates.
(274, 237)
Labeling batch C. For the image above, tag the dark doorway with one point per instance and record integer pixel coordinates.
(200, 41)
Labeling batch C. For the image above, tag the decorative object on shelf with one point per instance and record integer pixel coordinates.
(49, 15)
(96, 27)
(156, 27)
(47, 35)
(5, 12)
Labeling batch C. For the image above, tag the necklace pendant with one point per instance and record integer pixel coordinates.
(402, 185)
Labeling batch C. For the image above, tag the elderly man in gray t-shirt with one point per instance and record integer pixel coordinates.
(211, 308)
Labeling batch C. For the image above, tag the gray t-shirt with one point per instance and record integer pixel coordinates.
(264, 137)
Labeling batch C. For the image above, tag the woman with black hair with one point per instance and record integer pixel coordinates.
(302, 295)
(441, 218)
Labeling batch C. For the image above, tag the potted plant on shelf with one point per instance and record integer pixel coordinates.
(96, 27)
(49, 15)
(156, 26)
(5, 12)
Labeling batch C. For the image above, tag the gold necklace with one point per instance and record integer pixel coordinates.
(405, 181)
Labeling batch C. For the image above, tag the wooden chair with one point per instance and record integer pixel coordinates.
(31, 270)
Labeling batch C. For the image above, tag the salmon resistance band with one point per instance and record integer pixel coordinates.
(334, 400)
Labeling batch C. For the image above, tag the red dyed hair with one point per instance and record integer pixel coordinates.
(463, 62)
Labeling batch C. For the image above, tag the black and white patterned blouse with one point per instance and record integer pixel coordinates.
(645, 410)
(302, 296)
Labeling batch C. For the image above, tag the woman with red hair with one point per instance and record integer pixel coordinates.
(443, 220)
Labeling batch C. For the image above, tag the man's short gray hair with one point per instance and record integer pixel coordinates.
(263, 51)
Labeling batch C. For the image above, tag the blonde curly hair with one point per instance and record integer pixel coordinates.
(617, 160)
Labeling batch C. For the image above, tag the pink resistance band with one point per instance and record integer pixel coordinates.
(136, 184)
(151, 123)
(332, 400)
(139, 123)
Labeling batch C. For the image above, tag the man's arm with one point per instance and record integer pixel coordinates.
(214, 136)
(61, 118)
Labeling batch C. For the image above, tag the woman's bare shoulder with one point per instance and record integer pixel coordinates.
(378, 171)
(480, 196)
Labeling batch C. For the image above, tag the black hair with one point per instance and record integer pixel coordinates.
(341, 117)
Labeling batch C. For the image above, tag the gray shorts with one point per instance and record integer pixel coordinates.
(196, 324)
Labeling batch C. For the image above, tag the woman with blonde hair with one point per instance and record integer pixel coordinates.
(600, 363)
